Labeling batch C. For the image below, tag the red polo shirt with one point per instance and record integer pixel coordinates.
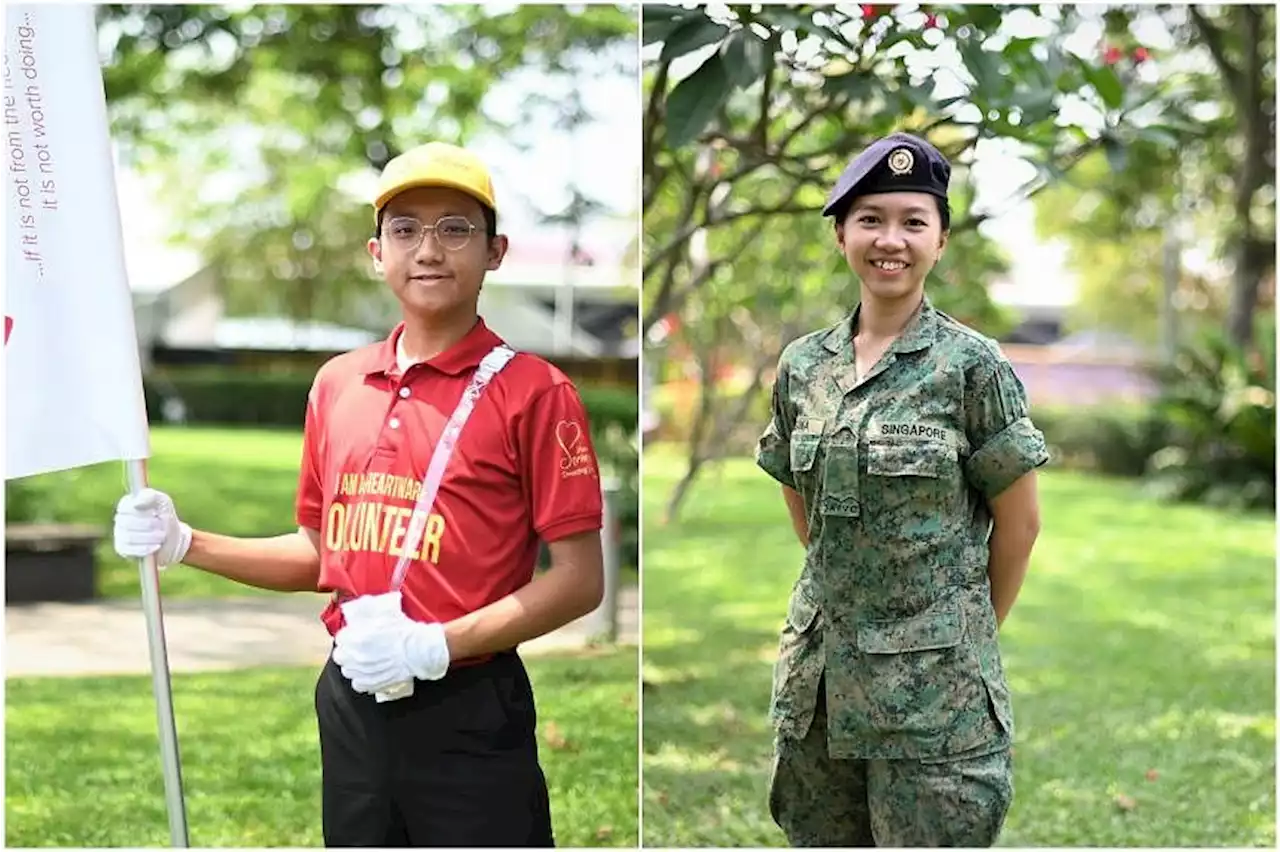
(523, 469)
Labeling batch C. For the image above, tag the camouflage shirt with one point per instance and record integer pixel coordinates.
(893, 602)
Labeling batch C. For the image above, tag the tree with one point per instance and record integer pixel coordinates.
(1241, 40)
(256, 118)
(751, 116)
(1126, 222)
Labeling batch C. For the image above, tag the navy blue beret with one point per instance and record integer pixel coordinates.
(899, 162)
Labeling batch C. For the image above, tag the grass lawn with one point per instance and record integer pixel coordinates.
(233, 481)
(1141, 655)
(83, 765)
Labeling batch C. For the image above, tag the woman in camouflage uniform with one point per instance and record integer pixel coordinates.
(906, 455)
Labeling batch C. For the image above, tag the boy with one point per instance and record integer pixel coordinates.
(426, 716)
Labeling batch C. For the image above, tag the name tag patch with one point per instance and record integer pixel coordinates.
(912, 430)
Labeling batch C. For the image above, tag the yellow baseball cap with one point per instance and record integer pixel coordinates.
(435, 164)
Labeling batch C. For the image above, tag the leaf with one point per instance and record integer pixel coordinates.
(1117, 154)
(663, 12)
(787, 19)
(898, 36)
(981, 65)
(1105, 83)
(694, 101)
(659, 30)
(857, 83)
(1163, 136)
(692, 34)
(746, 58)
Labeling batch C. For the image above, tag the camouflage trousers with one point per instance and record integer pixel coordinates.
(820, 801)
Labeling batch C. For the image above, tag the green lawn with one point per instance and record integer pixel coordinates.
(233, 481)
(83, 766)
(1141, 656)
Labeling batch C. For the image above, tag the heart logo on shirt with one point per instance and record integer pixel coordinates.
(568, 434)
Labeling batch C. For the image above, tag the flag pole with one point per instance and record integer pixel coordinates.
(169, 757)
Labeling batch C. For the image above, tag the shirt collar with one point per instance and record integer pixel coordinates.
(461, 356)
(919, 334)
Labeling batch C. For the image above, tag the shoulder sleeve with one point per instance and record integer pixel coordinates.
(558, 464)
(1004, 443)
(773, 452)
(310, 498)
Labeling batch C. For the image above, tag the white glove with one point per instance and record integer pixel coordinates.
(381, 647)
(147, 523)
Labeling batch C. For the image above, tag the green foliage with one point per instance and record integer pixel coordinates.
(1209, 437)
(1114, 440)
(1179, 167)
(313, 99)
(1219, 400)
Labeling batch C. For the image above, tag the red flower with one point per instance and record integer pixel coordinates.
(1112, 55)
(868, 11)
(931, 21)
(1141, 54)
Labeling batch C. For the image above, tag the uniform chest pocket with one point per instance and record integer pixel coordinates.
(916, 458)
(912, 486)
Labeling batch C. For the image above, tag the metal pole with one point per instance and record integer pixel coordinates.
(149, 573)
(608, 609)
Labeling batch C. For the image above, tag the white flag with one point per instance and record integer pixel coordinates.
(73, 382)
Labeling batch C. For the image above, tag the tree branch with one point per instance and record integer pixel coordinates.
(1217, 49)
(654, 176)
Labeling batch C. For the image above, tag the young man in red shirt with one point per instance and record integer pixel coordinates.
(426, 715)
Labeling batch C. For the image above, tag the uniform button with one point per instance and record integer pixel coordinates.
(395, 423)
(404, 393)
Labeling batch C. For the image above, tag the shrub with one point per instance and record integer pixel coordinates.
(1219, 402)
(1117, 440)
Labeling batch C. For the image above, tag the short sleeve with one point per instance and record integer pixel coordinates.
(310, 498)
(1004, 443)
(559, 465)
(773, 452)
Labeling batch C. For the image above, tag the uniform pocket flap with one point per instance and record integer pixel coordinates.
(804, 449)
(909, 458)
(801, 612)
(930, 631)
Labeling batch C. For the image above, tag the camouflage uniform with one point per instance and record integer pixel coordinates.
(891, 710)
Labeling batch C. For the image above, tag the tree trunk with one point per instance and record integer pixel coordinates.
(1251, 262)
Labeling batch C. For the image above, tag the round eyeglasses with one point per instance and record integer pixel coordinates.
(452, 233)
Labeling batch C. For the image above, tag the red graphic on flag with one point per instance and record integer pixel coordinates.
(8, 327)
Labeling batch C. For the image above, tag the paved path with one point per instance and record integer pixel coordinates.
(110, 637)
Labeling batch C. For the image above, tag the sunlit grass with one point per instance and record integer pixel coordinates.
(83, 765)
(233, 481)
(1141, 656)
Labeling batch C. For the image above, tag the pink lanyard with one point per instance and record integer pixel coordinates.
(490, 366)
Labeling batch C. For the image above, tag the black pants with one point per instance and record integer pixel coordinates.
(455, 764)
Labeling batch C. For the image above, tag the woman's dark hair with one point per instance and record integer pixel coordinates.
(944, 212)
(490, 222)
